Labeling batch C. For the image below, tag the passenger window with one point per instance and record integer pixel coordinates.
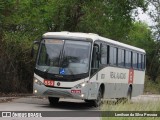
(103, 54)
(113, 56)
(139, 61)
(143, 61)
(134, 60)
(128, 59)
(120, 57)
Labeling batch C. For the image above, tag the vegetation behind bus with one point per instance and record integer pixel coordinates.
(21, 22)
(135, 106)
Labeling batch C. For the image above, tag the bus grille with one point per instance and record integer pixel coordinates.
(58, 93)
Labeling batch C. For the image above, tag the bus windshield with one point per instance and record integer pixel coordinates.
(64, 57)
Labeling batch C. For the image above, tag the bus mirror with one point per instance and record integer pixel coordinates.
(32, 52)
(36, 42)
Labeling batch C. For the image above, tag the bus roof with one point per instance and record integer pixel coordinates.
(91, 36)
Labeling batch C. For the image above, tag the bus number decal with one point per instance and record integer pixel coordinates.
(49, 82)
(131, 76)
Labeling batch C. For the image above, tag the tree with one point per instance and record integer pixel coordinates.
(154, 13)
(155, 16)
(141, 36)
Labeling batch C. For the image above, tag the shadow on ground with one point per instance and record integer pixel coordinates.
(66, 105)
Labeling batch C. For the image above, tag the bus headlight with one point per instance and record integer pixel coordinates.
(80, 85)
(82, 95)
(38, 81)
(35, 91)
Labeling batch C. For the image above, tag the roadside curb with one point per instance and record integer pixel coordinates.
(7, 99)
(11, 96)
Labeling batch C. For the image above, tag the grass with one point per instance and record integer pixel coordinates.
(138, 107)
(151, 87)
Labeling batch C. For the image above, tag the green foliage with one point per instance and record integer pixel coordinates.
(155, 16)
(151, 87)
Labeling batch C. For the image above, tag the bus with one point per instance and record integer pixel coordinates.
(87, 66)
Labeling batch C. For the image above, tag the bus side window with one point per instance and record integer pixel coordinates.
(143, 61)
(108, 51)
(121, 57)
(137, 60)
(104, 54)
(95, 60)
(128, 59)
(134, 60)
(113, 56)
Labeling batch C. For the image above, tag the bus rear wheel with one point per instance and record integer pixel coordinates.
(53, 100)
(126, 99)
(129, 94)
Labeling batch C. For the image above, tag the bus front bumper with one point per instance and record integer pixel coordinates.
(77, 93)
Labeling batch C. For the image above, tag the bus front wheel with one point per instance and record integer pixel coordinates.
(98, 101)
(53, 100)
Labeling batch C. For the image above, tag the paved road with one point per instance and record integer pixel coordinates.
(38, 104)
(41, 104)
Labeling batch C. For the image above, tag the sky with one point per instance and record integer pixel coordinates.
(144, 17)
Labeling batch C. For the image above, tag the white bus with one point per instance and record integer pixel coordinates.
(87, 66)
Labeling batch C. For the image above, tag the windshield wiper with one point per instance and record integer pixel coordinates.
(60, 58)
(65, 61)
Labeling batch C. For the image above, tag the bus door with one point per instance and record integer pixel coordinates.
(95, 60)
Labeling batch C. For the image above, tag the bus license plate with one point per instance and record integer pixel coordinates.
(49, 82)
(76, 91)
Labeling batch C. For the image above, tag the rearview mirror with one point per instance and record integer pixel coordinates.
(36, 42)
(32, 50)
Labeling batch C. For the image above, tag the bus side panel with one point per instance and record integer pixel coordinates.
(116, 81)
(138, 83)
(93, 87)
(115, 90)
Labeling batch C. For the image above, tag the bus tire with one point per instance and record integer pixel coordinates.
(98, 101)
(87, 101)
(129, 94)
(53, 100)
(126, 99)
